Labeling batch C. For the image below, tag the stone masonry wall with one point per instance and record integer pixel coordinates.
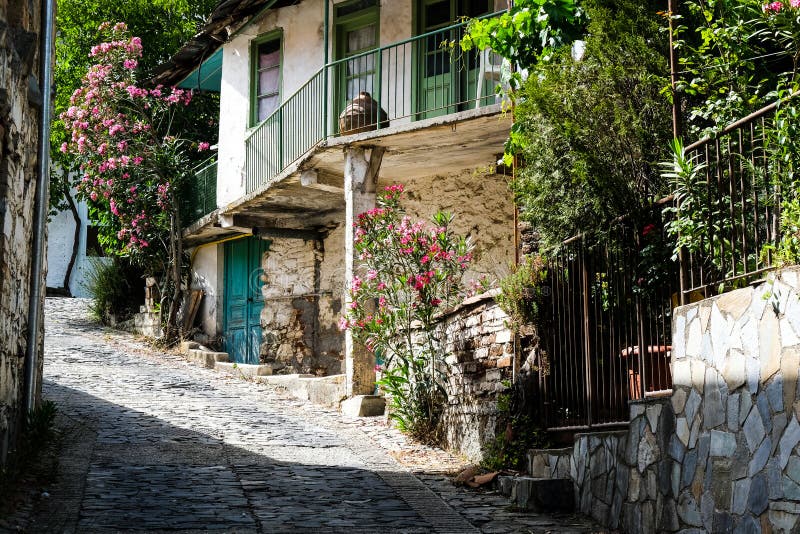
(484, 210)
(722, 453)
(735, 368)
(289, 305)
(19, 108)
(290, 318)
(623, 479)
(481, 362)
(330, 340)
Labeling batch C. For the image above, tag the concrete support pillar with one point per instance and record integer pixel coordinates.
(360, 178)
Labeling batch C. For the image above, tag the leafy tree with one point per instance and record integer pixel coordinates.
(591, 130)
(725, 69)
(167, 24)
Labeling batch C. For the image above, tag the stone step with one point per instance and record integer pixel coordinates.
(541, 495)
(244, 369)
(549, 463)
(206, 358)
(364, 406)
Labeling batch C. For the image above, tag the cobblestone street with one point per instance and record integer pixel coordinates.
(153, 443)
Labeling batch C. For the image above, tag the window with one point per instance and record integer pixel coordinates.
(266, 77)
(356, 34)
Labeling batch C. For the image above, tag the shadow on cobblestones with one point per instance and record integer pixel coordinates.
(147, 474)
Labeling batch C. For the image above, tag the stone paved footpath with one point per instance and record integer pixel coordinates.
(154, 444)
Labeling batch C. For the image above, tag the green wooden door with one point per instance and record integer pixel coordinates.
(243, 298)
(445, 82)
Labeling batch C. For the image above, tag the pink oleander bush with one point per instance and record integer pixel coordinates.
(408, 273)
(132, 166)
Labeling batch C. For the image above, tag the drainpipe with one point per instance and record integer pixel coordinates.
(41, 202)
(326, 40)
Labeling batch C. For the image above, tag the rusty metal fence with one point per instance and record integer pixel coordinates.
(735, 206)
(607, 338)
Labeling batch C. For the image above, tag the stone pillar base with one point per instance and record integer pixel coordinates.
(364, 406)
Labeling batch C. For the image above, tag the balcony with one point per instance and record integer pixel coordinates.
(201, 197)
(423, 77)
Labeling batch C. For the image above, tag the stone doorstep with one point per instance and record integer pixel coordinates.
(205, 358)
(322, 390)
(536, 468)
(244, 369)
(540, 495)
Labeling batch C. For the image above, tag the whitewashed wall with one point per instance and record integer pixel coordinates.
(61, 236)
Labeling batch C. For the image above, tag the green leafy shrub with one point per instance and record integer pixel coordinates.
(116, 289)
(517, 430)
(522, 290)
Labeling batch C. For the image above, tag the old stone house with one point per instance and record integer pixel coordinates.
(272, 244)
(21, 106)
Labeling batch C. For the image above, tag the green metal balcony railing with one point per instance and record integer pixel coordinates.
(202, 192)
(422, 77)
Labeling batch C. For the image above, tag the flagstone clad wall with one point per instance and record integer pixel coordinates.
(721, 453)
(735, 367)
(19, 110)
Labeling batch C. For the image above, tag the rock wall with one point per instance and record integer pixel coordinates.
(735, 371)
(330, 340)
(20, 103)
(484, 210)
(296, 338)
(722, 453)
(481, 364)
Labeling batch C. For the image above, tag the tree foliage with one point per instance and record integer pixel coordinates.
(592, 131)
(164, 24)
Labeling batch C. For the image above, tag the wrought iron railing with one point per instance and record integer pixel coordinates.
(202, 192)
(607, 337)
(422, 77)
(734, 207)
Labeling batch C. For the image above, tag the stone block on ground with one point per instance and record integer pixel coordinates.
(543, 494)
(186, 346)
(364, 406)
(244, 369)
(206, 358)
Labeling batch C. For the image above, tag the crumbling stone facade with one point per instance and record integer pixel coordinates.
(20, 104)
(481, 366)
(296, 337)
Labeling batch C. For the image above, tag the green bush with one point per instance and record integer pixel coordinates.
(116, 288)
(521, 291)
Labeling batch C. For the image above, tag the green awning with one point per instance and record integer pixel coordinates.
(207, 76)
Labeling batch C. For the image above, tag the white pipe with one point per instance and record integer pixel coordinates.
(41, 203)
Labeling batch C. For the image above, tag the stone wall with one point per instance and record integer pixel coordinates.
(721, 453)
(735, 371)
(20, 103)
(293, 332)
(484, 210)
(330, 340)
(481, 363)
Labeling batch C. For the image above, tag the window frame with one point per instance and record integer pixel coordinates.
(347, 23)
(274, 35)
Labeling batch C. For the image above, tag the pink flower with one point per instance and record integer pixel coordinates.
(773, 7)
(201, 147)
(130, 64)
